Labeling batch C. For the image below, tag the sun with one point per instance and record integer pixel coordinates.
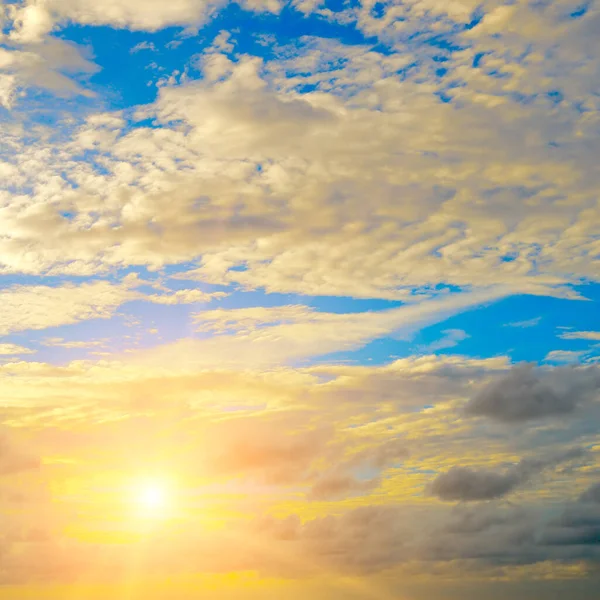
(151, 498)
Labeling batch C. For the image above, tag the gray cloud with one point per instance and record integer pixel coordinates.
(462, 483)
(525, 393)
(578, 527)
(470, 485)
(592, 494)
(333, 486)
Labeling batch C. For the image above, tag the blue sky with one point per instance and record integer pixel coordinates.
(328, 269)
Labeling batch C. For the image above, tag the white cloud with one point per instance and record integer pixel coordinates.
(271, 336)
(454, 193)
(41, 65)
(42, 306)
(58, 342)
(452, 337)
(13, 349)
(525, 324)
(581, 335)
(564, 356)
(187, 296)
(143, 46)
(33, 19)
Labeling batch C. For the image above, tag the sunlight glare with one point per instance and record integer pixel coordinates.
(151, 497)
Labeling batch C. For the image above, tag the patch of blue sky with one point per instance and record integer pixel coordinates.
(476, 18)
(122, 79)
(134, 326)
(580, 11)
(87, 332)
(378, 352)
(128, 78)
(489, 337)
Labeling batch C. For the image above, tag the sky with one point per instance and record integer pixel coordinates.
(299, 299)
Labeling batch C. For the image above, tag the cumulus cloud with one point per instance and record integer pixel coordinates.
(285, 156)
(43, 306)
(32, 18)
(43, 65)
(526, 393)
(467, 484)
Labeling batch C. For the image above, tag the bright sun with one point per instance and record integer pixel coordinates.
(151, 497)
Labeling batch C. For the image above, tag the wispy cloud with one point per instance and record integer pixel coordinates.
(580, 335)
(524, 324)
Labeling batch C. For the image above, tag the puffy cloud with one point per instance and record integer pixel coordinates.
(466, 484)
(286, 211)
(461, 483)
(33, 19)
(43, 306)
(44, 65)
(526, 393)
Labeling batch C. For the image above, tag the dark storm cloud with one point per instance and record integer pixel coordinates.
(526, 393)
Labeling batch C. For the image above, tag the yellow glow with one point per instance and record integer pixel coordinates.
(152, 497)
